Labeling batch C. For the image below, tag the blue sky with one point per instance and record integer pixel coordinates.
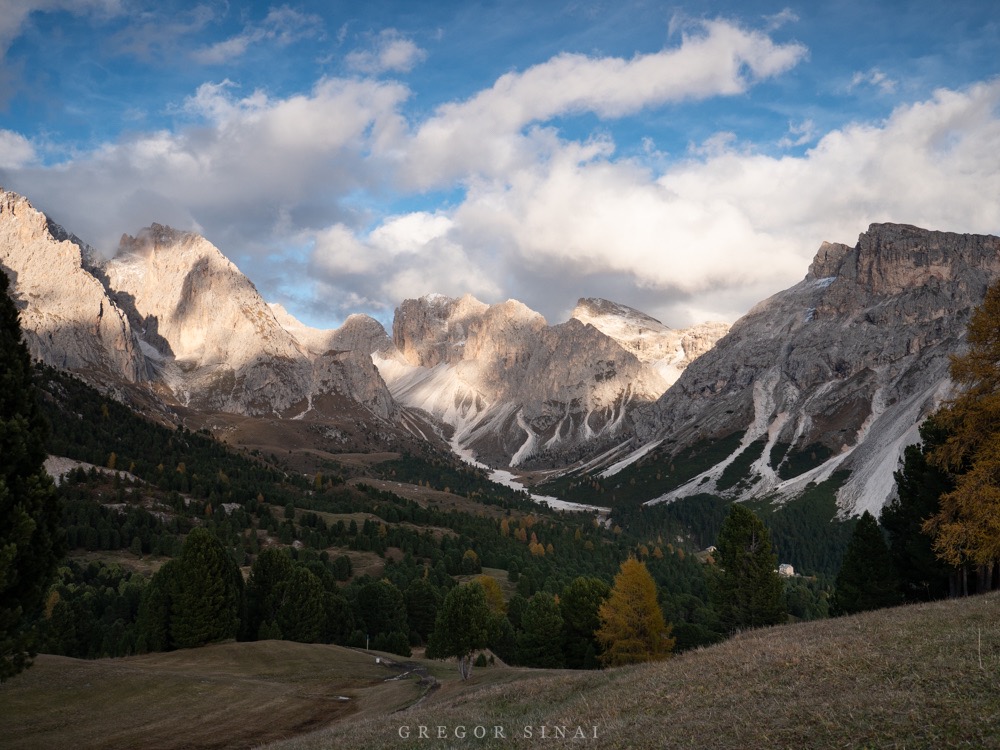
(683, 158)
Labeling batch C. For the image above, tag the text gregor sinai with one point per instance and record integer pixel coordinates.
(496, 732)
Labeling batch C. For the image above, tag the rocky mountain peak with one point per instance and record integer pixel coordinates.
(827, 261)
(152, 237)
(836, 371)
(435, 329)
(667, 350)
(362, 333)
(514, 388)
(196, 303)
(590, 309)
(359, 332)
(67, 316)
(894, 258)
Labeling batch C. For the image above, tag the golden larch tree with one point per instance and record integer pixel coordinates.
(632, 628)
(966, 529)
(494, 594)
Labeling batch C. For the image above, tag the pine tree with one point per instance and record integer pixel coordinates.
(540, 642)
(580, 603)
(422, 602)
(31, 543)
(747, 592)
(155, 606)
(866, 579)
(462, 626)
(302, 614)
(632, 627)
(208, 603)
(264, 590)
(919, 487)
(381, 608)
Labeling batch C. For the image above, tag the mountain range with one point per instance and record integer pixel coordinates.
(829, 378)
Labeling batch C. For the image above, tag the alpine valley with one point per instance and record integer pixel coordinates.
(264, 530)
(823, 384)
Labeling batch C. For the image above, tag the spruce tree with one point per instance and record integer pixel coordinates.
(580, 603)
(208, 603)
(747, 592)
(919, 487)
(540, 642)
(302, 614)
(462, 626)
(422, 602)
(866, 579)
(381, 609)
(31, 543)
(339, 622)
(270, 570)
(155, 606)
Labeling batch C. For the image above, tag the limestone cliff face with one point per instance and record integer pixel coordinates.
(342, 360)
(193, 303)
(215, 342)
(837, 371)
(358, 333)
(68, 319)
(669, 351)
(515, 389)
(172, 315)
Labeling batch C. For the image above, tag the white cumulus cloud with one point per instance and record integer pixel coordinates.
(711, 235)
(391, 52)
(300, 184)
(239, 168)
(482, 134)
(15, 150)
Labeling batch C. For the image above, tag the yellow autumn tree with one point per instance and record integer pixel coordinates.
(966, 528)
(632, 628)
(494, 594)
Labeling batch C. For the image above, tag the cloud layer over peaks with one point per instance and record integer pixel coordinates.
(688, 172)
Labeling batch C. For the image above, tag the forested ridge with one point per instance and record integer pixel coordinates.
(123, 528)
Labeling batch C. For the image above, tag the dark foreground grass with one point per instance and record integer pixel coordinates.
(924, 676)
(234, 695)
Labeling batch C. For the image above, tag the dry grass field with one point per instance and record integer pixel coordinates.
(924, 676)
(233, 695)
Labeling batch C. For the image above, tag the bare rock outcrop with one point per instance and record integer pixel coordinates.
(516, 390)
(669, 351)
(215, 342)
(837, 371)
(172, 316)
(69, 320)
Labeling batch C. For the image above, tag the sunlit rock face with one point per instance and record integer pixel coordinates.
(67, 316)
(668, 350)
(516, 390)
(171, 313)
(841, 367)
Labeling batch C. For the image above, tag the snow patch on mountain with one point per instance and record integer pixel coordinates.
(630, 459)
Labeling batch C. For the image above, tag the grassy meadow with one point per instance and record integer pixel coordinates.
(921, 676)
